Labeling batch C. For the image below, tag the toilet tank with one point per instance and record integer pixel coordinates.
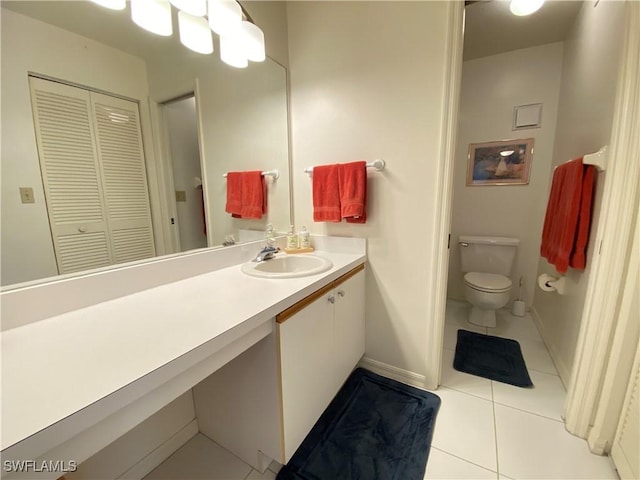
(488, 254)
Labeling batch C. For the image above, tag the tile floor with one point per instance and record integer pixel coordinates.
(484, 430)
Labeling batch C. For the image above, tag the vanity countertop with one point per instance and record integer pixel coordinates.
(67, 363)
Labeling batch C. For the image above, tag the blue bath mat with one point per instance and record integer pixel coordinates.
(374, 429)
(496, 358)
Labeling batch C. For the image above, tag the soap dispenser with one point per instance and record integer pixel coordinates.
(303, 238)
(292, 239)
(271, 236)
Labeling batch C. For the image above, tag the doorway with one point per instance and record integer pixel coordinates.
(181, 126)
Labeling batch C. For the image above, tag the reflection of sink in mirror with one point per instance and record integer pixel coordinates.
(288, 266)
(242, 115)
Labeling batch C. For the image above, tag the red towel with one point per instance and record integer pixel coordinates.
(326, 194)
(352, 178)
(234, 194)
(246, 194)
(566, 223)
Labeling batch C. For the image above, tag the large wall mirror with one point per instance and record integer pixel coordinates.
(196, 119)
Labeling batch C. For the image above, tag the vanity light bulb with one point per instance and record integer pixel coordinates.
(112, 4)
(252, 40)
(525, 7)
(232, 53)
(153, 15)
(195, 33)
(197, 8)
(225, 17)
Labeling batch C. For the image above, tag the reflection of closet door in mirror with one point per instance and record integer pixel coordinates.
(94, 178)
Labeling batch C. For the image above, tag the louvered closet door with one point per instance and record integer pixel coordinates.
(124, 179)
(72, 184)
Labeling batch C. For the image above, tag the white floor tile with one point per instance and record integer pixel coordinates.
(464, 428)
(451, 333)
(536, 356)
(533, 447)
(546, 398)
(275, 467)
(442, 466)
(256, 475)
(201, 459)
(457, 314)
(463, 382)
(516, 328)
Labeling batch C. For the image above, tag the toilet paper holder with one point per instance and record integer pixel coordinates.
(548, 283)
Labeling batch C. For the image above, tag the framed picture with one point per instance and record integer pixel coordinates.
(500, 163)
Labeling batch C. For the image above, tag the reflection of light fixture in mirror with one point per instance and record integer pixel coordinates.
(506, 153)
(525, 7)
(232, 53)
(225, 17)
(252, 40)
(112, 4)
(195, 33)
(197, 8)
(153, 15)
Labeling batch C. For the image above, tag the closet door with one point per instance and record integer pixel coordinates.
(121, 160)
(70, 173)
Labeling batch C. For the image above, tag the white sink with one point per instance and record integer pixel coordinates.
(287, 266)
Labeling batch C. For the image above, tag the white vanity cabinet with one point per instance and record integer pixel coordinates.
(320, 341)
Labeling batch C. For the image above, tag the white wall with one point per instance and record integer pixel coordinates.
(585, 114)
(491, 87)
(367, 81)
(32, 46)
(185, 156)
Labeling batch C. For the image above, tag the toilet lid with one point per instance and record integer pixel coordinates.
(489, 282)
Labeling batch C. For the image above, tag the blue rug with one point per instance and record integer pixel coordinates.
(491, 357)
(374, 429)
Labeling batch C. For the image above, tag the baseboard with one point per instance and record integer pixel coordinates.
(563, 371)
(395, 373)
(160, 454)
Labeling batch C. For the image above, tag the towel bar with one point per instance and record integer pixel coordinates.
(597, 159)
(269, 173)
(378, 164)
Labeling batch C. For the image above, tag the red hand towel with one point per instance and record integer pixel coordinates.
(352, 179)
(578, 256)
(254, 198)
(326, 194)
(234, 194)
(563, 211)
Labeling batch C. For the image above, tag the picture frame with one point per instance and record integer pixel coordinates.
(505, 162)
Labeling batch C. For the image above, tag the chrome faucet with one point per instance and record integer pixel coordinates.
(267, 253)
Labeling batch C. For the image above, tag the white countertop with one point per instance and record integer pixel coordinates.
(56, 367)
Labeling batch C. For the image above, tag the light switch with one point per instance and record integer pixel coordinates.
(26, 195)
(181, 196)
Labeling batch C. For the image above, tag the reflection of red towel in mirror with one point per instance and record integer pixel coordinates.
(246, 194)
(566, 225)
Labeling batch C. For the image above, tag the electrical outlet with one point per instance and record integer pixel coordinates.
(181, 196)
(26, 195)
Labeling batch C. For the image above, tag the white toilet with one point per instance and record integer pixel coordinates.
(486, 264)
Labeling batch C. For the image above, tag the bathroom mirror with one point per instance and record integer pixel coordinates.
(238, 117)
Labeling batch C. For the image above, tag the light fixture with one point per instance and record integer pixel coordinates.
(197, 8)
(153, 15)
(232, 52)
(506, 153)
(195, 33)
(112, 4)
(225, 17)
(525, 7)
(252, 40)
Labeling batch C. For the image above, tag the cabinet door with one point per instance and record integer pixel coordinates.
(349, 324)
(307, 372)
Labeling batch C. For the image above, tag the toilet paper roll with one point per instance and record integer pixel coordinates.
(543, 282)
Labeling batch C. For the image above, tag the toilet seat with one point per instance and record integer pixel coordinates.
(487, 282)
